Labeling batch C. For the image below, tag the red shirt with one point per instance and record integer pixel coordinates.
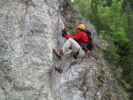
(81, 37)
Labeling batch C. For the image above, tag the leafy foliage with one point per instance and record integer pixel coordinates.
(113, 20)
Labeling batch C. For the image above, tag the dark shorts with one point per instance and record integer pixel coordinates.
(88, 46)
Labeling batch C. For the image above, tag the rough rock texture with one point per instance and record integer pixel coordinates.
(85, 79)
(29, 29)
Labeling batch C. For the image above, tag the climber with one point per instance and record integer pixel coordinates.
(76, 44)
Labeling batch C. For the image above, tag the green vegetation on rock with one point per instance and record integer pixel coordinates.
(113, 20)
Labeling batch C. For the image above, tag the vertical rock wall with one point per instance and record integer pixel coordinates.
(28, 31)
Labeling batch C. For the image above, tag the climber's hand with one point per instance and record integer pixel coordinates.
(64, 32)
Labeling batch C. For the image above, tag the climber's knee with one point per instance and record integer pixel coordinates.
(71, 39)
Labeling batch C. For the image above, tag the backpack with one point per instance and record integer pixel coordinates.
(89, 34)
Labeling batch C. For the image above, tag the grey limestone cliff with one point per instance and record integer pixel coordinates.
(29, 30)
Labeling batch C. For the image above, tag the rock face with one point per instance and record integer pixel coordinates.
(85, 79)
(29, 29)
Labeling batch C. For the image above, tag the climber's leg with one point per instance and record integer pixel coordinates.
(71, 46)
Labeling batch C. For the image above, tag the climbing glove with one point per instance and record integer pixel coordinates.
(64, 32)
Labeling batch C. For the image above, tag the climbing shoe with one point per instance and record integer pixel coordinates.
(58, 70)
(75, 55)
(58, 53)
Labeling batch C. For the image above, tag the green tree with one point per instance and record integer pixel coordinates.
(113, 20)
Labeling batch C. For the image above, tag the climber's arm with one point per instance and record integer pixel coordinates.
(75, 36)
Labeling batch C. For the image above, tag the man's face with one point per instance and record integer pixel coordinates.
(77, 30)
